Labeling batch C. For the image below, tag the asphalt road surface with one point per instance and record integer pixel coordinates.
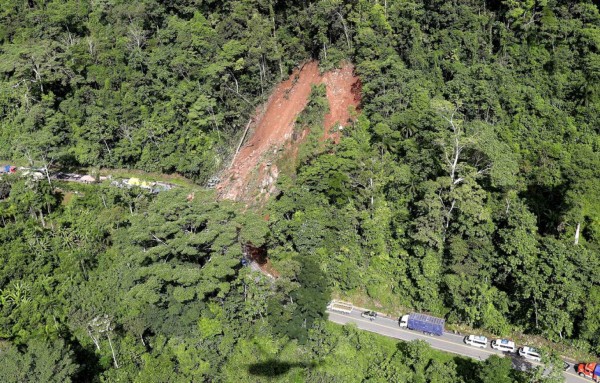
(448, 342)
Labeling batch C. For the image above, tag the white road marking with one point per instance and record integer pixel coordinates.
(348, 318)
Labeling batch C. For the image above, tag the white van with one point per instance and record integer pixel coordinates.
(476, 341)
(530, 353)
(503, 345)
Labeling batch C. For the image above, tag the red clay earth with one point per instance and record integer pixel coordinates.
(343, 93)
(253, 171)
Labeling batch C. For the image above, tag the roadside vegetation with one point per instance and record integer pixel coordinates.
(467, 187)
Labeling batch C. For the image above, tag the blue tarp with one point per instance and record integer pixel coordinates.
(426, 323)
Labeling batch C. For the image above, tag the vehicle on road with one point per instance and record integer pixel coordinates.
(530, 353)
(370, 315)
(570, 368)
(476, 341)
(8, 169)
(422, 322)
(503, 345)
(589, 370)
(340, 306)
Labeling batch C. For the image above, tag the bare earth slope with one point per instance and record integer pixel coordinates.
(253, 173)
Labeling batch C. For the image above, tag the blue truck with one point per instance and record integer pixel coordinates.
(423, 322)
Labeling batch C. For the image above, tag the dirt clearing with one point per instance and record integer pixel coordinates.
(253, 172)
(343, 94)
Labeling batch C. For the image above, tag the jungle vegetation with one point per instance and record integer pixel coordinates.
(468, 187)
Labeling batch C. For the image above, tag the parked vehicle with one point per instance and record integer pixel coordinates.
(7, 169)
(503, 345)
(422, 322)
(476, 341)
(339, 306)
(589, 370)
(371, 315)
(530, 353)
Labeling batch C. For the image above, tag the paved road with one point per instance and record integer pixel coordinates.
(448, 342)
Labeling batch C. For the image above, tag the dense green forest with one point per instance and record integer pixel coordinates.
(119, 285)
(468, 187)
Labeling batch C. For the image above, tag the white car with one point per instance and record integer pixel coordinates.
(530, 353)
(503, 345)
(476, 341)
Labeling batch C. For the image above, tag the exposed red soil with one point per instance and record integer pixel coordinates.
(343, 94)
(253, 172)
(258, 255)
(272, 127)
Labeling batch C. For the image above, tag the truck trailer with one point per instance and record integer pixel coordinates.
(340, 306)
(423, 322)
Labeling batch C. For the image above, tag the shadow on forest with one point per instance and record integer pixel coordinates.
(519, 363)
(274, 367)
(89, 363)
(548, 205)
(467, 369)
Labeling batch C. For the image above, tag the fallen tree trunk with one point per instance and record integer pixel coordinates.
(241, 142)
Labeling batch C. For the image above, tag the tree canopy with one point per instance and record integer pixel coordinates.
(466, 187)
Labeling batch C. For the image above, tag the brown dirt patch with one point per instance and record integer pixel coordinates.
(253, 173)
(343, 93)
(273, 127)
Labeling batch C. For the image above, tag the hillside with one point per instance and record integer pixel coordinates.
(408, 155)
(253, 173)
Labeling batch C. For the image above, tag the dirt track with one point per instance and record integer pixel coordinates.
(253, 171)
